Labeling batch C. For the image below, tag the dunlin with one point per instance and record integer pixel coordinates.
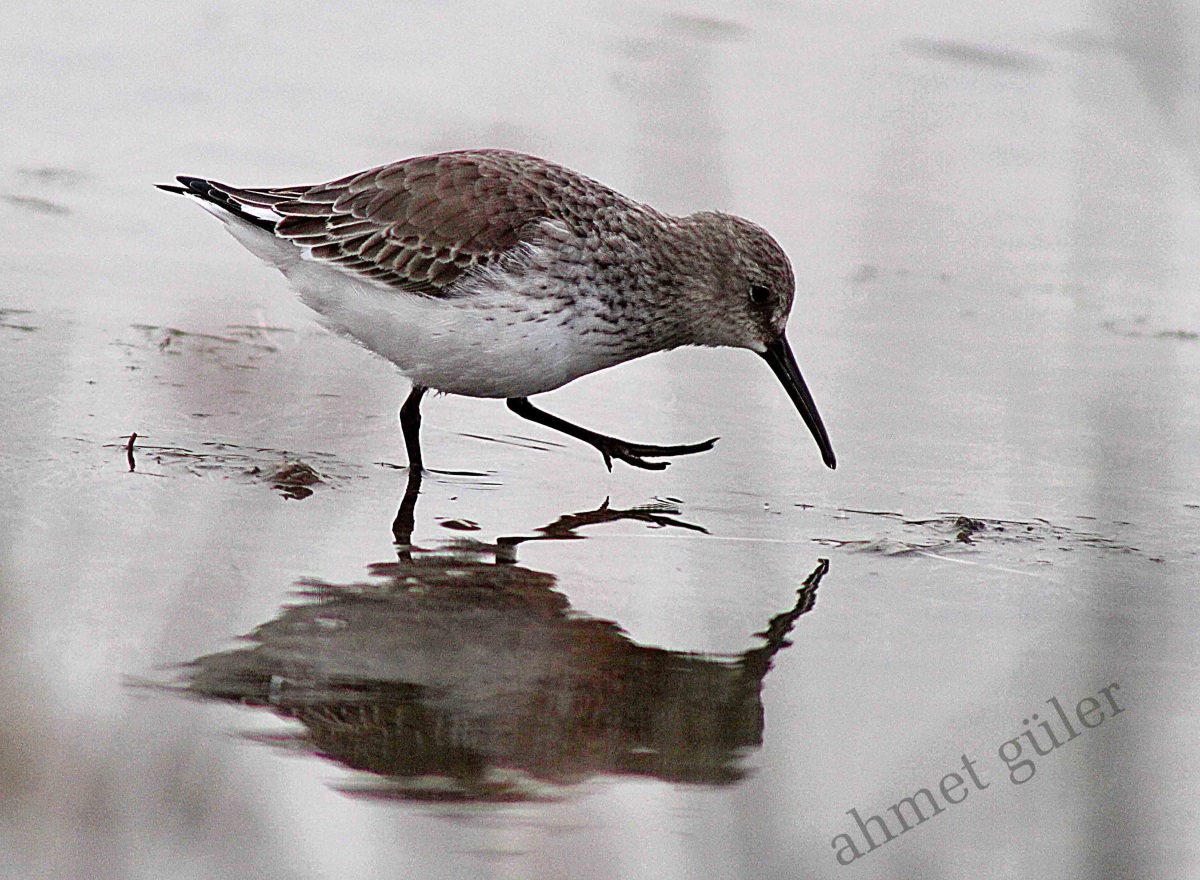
(488, 273)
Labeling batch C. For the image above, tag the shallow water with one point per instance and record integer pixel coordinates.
(994, 221)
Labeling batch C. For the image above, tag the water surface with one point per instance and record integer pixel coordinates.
(219, 663)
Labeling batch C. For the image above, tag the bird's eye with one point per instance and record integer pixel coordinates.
(759, 295)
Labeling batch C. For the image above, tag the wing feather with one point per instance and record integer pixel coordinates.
(421, 224)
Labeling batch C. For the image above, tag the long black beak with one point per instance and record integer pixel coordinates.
(783, 363)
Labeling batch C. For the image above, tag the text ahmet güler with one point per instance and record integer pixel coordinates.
(875, 830)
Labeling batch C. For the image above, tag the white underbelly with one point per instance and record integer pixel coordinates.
(497, 342)
(458, 349)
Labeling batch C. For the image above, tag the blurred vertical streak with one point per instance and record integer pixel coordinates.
(1139, 117)
(678, 132)
(677, 137)
(677, 144)
(681, 168)
(34, 365)
(1159, 39)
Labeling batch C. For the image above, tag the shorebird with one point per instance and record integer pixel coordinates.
(488, 273)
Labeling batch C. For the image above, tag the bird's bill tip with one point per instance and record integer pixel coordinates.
(783, 363)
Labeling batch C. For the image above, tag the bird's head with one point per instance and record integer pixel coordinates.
(744, 300)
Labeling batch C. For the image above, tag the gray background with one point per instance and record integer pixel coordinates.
(992, 211)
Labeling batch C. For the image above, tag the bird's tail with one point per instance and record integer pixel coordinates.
(254, 206)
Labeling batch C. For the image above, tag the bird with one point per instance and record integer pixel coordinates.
(495, 274)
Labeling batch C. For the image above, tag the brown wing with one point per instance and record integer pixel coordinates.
(417, 225)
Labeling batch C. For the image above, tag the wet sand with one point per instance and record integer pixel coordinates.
(219, 662)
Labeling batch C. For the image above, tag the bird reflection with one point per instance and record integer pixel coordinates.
(449, 677)
(562, 528)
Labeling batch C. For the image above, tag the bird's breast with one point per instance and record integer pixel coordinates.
(505, 335)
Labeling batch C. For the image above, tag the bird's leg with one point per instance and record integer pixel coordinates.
(406, 516)
(609, 447)
(410, 426)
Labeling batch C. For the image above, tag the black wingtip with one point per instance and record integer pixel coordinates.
(196, 186)
(210, 192)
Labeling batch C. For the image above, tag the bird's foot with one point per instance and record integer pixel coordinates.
(636, 453)
(610, 447)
